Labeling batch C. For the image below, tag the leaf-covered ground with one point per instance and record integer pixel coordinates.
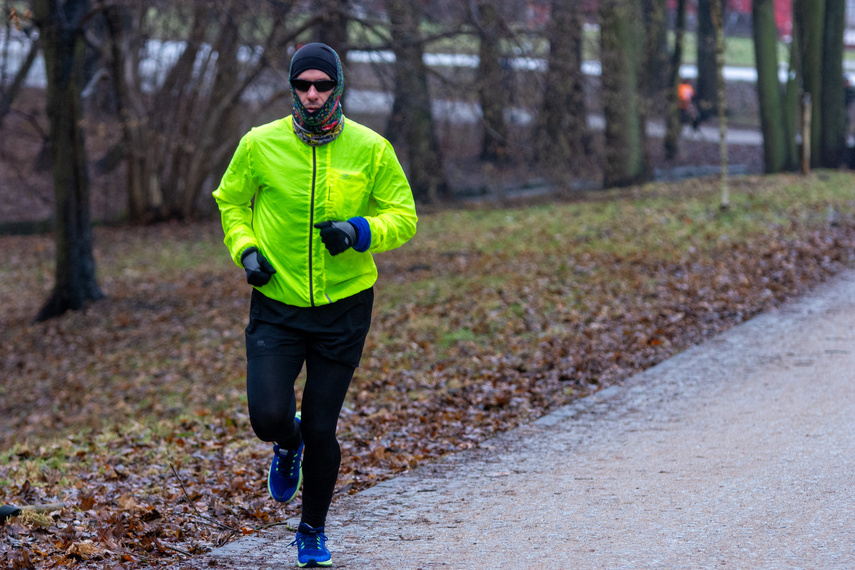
(132, 413)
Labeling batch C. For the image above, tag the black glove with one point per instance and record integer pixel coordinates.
(337, 236)
(258, 269)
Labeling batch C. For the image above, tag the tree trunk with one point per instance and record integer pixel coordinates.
(561, 125)
(807, 111)
(721, 98)
(792, 97)
(132, 113)
(492, 91)
(411, 112)
(656, 54)
(811, 17)
(620, 53)
(62, 44)
(772, 117)
(674, 126)
(332, 30)
(833, 138)
(707, 89)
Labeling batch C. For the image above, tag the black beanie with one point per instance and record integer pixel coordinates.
(315, 56)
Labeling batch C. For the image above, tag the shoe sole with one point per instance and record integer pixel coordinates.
(313, 564)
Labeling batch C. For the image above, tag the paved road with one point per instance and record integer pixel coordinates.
(739, 453)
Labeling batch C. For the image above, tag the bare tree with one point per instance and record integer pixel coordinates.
(621, 39)
(412, 117)
(14, 20)
(793, 93)
(716, 8)
(707, 87)
(332, 27)
(777, 138)
(674, 125)
(560, 130)
(493, 94)
(809, 16)
(223, 63)
(656, 59)
(832, 143)
(61, 26)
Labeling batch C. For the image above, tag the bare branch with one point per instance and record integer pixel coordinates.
(193, 505)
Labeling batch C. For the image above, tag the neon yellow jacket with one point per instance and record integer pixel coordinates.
(295, 185)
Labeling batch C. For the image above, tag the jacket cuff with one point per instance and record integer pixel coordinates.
(240, 247)
(363, 234)
(247, 251)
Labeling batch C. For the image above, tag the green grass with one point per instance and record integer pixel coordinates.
(646, 222)
(482, 253)
(738, 50)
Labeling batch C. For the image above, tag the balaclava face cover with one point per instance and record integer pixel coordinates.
(325, 124)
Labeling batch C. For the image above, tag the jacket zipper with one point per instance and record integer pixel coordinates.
(312, 225)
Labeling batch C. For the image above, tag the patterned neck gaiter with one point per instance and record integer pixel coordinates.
(325, 124)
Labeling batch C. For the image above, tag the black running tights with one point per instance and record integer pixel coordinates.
(272, 405)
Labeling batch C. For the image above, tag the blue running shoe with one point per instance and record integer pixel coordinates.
(311, 547)
(286, 472)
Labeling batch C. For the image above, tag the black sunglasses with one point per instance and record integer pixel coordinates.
(320, 86)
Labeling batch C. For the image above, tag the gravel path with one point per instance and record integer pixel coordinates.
(739, 453)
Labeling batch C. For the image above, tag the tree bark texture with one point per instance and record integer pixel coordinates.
(561, 125)
(674, 126)
(832, 145)
(716, 11)
(807, 121)
(332, 28)
(621, 48)
(492, 90)
(657, 63)
(412, 117)
(770, 98)
(62, 44)
(707, 89)
(793, 95)
(810, 15)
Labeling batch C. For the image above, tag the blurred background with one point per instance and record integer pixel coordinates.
(482, 99)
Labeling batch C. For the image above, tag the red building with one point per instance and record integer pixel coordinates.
(783, 12)
(738, 12)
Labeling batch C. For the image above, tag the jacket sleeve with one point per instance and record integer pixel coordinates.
(234, 199)
(393, 217)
